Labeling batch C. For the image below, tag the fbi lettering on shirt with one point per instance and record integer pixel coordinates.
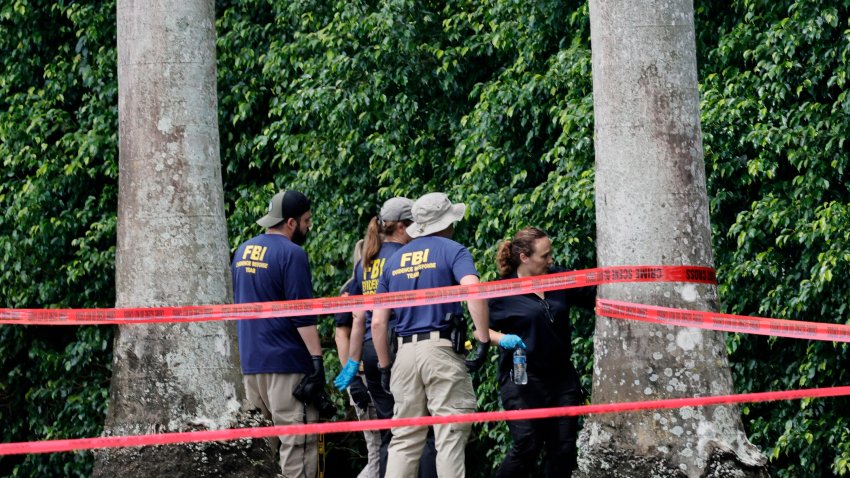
(414, 262)
(371, 274)
(252, 259)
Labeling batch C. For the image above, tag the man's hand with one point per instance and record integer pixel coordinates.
(478, 356)
(313, 384)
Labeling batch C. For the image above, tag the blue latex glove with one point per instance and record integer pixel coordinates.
(511, 342)
(346, 375)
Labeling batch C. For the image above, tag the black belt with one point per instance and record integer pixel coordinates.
(444, 334)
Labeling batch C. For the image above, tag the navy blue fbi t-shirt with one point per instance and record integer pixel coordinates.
(366, 280)
(270, 267)
(425, 263)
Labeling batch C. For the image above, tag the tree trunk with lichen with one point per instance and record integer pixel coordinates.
(172, 250)
(652, 208)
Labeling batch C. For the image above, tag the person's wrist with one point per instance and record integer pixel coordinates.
(318, 364)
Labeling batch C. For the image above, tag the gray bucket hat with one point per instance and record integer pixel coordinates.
(432, 213)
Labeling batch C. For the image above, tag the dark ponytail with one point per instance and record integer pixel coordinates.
(375, 234)
(503, 258)
(372, 242)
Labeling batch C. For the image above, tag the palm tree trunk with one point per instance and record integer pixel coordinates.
(652, 208)
(172, 250)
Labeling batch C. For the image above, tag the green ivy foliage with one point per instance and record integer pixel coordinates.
(58, 130)
(776, 115)
(355, 101)
(358, 101)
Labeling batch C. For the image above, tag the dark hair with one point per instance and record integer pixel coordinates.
(507, 255)
(375, 233)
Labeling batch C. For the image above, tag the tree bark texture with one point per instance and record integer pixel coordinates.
(172, 250)
(652, 208)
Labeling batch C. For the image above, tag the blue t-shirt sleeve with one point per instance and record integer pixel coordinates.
(298, 284)
(357, 286)
(382, 284)
(462, 265)
(384, 280)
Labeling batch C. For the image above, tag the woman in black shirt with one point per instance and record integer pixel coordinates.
(540, 323)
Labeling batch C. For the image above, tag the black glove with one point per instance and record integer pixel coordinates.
(325, 406)
(385, 379)
(310, 389)
(359, 393)
(478, 356)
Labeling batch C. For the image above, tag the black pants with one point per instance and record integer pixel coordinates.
(384, 403)
(556, 435)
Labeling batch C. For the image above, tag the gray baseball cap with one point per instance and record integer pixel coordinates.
(284, 205)
(432, 213)
(397, 209)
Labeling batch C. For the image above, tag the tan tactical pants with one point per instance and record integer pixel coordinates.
(272, 394)
(429, 378)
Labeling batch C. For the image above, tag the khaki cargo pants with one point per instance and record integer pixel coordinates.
(429, 378)
(272, 394)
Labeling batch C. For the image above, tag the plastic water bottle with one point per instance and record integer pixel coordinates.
(519, 375)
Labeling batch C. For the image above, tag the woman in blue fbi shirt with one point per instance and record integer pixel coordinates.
(539, 323)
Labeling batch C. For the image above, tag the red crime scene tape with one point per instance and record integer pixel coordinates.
(332, 305)
(606, 308)
(725, 322)
(52, 446)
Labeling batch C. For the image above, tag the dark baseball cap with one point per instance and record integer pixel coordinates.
(284, 205)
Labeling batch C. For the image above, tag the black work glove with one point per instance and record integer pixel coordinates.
(325, 406)
(385, 379)
(478, 356)
(359, 393)
(310, 389)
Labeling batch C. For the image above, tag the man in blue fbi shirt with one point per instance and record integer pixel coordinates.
(281, 357)
(429, 376)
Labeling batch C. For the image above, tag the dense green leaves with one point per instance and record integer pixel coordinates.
(355, 101)
(775, 116)
(359, 101)
(58, 129)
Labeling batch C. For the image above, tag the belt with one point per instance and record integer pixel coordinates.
(444, 334)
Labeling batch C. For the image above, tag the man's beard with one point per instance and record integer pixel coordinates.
(299, 237)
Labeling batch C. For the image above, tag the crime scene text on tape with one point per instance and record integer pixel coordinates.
(332, 305)
(726, 322)
(613, 309)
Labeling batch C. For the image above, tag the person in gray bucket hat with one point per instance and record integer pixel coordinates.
(433, 213)
(429, 375)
